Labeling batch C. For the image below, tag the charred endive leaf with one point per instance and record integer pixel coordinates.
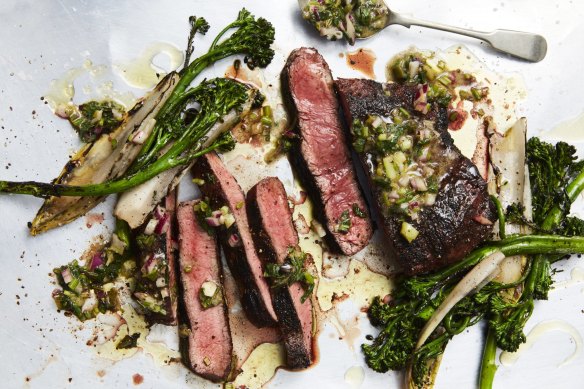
(168, 139)
(136, 204)
(93, 118)
(100, 161)
(210, 295)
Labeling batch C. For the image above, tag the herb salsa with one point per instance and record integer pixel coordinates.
(350, 19)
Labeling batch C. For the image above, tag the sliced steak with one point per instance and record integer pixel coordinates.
(156, 287)
(274, 235)
(207, 348)
(446, 210)
(321, 155)
(221, 188)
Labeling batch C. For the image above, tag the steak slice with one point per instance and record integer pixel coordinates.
(207, 349)
(274, 235)
(223, 190)
(321, 155)
(443, 224)
(156, 286)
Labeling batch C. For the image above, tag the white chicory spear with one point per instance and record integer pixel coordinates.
(482, 273)
(105, 159)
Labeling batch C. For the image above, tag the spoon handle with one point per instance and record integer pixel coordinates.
(525, 45)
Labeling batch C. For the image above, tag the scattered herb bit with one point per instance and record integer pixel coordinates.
(151, 288)
(93, 118)
(84, 289)
(284, 144)
(358, 211)
(210, 219)
(128, 341)
(344, 222)
(291, 271)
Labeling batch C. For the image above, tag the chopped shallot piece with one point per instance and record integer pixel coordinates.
(301, 226)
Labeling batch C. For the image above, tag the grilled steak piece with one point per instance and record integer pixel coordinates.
(222, 190)
(321, 155)
(274, 235)
(156, 287)
(432, 199)
(207, 348)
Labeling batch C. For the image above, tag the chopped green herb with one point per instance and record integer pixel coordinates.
(128, 341)
(291, 271)
(358, 211)
(344, 222)
(94, 118)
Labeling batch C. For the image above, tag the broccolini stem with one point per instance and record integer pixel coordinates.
(572, 190)
(488, 364)
(42, 189)
(500, 216)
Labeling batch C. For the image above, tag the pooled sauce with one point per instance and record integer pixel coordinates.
(354, 376)
(576, 277)
(160, 353)
(508, 359)
(363, 61)
(62, 90)
(142, 72)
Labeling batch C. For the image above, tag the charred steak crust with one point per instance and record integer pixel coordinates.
(463, 213)
(273, 233)
(207, 348)
(321, 155)
(222, 189)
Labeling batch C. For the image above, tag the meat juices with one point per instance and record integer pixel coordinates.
(274, 234)
(462, 215)
(208, 348)
(322, 156)
(222, 189)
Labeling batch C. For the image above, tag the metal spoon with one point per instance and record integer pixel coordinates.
(525, 45)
